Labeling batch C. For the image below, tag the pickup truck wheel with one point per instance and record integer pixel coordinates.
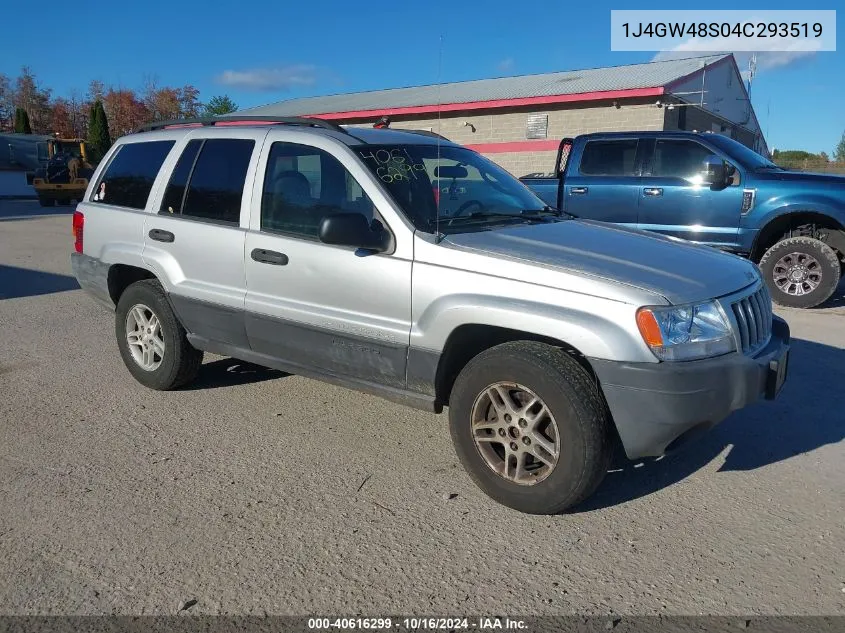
(801, 272)
(152, 342)
(530, 427)
(46, 202)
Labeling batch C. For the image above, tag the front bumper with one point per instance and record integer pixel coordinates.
(655, 404)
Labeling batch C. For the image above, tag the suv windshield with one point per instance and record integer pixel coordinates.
(451, 188)
(747, 157)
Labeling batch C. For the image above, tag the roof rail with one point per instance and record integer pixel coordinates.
(234, 120)
(424, 133)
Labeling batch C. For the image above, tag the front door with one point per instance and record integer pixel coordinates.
(604, 185)
(674, 202)
(330, 309)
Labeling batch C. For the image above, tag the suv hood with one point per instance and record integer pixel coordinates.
(801, 177)
(678, 270)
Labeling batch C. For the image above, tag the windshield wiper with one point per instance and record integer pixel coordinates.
(479, 216)
(548, 211)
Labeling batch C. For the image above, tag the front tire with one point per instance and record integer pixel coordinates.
(152, 342)
(801, 272)
(530, 427)
(46, 202)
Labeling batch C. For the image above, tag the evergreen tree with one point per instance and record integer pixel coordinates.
(219, 105)
(99, 140)
(22, 125)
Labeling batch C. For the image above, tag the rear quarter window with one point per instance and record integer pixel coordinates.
(129, 176)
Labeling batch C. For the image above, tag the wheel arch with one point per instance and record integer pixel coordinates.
(121, 276)
(467, 341)
(803, 223)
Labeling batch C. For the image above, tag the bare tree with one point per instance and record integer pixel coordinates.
(7, 103)
(34, 100)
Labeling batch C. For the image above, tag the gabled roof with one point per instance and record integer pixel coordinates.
(575, 85)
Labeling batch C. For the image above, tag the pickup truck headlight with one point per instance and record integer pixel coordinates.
(685, 332)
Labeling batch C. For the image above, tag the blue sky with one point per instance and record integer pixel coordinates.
(266, 51)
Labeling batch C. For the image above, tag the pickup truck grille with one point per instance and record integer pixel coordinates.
(753, 315)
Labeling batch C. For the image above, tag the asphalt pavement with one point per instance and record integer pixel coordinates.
(256, 492)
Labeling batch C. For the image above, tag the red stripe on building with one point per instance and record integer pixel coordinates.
(515, 146)
(498, 103)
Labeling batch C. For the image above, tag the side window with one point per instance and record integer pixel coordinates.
(216, 184)
(174, 195)
(678, 159)
(129, 176)
(303, 185)
(609, 158)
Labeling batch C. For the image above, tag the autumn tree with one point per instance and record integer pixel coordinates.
(125, 111)
(219, 105)
(22, 125)
(163, 104)
(62, 124)
(170, 103)
(99, 139)
(189, 103)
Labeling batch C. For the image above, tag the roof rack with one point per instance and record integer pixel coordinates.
(234, 120)
(424, 133)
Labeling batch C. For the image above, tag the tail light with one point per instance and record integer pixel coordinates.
(78, 224)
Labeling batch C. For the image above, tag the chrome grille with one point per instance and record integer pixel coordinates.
(753, 314)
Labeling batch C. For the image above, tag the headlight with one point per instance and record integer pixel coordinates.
(686, 332)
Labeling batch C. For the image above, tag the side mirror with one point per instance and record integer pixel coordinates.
(353, 229)
(715, 172)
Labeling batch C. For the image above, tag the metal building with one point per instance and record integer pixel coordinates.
(518, 121)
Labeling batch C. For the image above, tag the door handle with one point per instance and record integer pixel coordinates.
(653, 191)
(269, 257)
(161, 236)
(578, 191)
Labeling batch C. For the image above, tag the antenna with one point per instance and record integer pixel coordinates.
(439, 136)
(752, 69)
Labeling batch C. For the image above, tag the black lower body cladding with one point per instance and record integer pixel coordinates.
(654, 404)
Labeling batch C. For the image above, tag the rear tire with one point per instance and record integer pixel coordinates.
(64, 202)
(509, 461)
(46, 202)
(801, 272)
(159, 356)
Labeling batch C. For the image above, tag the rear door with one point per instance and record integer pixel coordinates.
(674, 202)
(196, 238)
(604, 184)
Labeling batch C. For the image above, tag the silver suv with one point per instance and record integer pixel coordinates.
(403, 265)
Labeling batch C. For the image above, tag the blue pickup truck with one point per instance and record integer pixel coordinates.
(710, 189)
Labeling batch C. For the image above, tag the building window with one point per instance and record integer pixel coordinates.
(537, 126)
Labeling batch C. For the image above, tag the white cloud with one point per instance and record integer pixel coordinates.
(507, 64)
(766, 60)
(269, 79)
